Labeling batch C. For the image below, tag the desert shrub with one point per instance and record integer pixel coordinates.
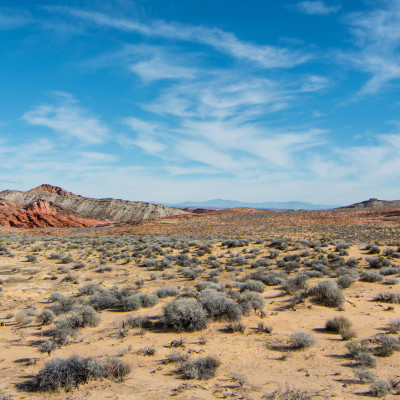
(208, 285)
(235, 327)
(31, 258)
(175, 356)
(378, 262)
(371, 276)
(167, 291)
(90, 288)
(301, 340)
(365, 360)
(272, 279)
(131, 303)
(200, 368)
(345, 281)
(289, 266)
(295, 283)
(88, 316)
(21, 316)
(287, 394)
(251, 301)
(389, 271)
(262, 262)
(67, 260)
(373, 249)
(235, 243)
(68, 373)
(364, 374)
(56, 256)
(261, 328)
(59, 307)
(388, 297)
(352, 262)
(103, 300)
(279, 244)
(391, 281)
(104, 269)
(46, 317)
(57, 296)
(148, 300)
(291, 257)
(48, 347)
(328, 293)
(313, 274)
(252, 285)
(191, 273)
(219, 307)
(338, 324)
(78, 265)
(387, 345)
(348, 334)
(388, 252)
(394, 326)
(357, 347)
(379, 388)
(115, 368)
(185, 315)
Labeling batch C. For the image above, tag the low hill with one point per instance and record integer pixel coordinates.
(99, 209)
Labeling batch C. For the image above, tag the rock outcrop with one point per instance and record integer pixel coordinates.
(375, 203)
(41, 214)
(111, 210)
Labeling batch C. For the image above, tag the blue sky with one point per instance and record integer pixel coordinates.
(167, 101)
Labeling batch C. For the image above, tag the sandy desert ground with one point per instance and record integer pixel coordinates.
(256, 293)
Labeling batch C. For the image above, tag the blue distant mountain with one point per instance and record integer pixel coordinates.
(220, 203)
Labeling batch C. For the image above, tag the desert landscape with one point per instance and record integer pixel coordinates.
(198, 304)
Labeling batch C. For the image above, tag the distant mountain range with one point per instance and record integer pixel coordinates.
(221, 204)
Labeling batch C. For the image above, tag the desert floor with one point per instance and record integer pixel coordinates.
(254, 361)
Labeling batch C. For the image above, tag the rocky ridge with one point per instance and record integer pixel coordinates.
(111, 210)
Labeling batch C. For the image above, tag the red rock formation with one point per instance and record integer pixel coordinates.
(41, 214)
(45, 188)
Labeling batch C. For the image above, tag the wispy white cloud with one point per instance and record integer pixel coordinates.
(157, 69)
(376, 33)
(316, 8)
(9, 19)
(68, 118)
(225, 42)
